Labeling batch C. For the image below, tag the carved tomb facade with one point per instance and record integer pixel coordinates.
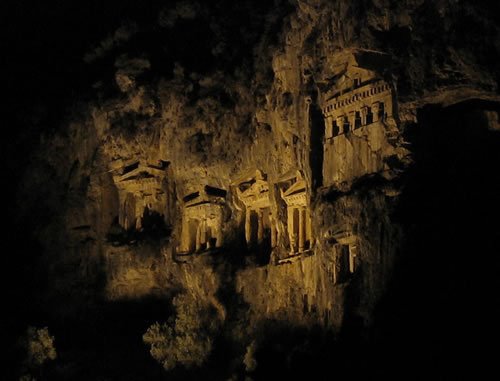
(141, 191)
(260, 227)
(202, 217)
(358, 114)
(299, 224)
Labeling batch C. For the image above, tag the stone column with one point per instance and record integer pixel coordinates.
(185, 244)
(340, 124)
(218, 229)
(352, 120)
(309, 235)
(203, 229)
(328, 127)
(139, 209)
(260, 229)
(290, 225)
(248, 231)
(364, 113)
(301, 229)
(352, 258)
(198, 237)
(209, 234)
(388, 106)
(121, 211)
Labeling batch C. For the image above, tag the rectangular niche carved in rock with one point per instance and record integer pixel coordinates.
(345, 260)
(346, 257)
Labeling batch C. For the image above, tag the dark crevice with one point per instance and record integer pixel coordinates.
(317, 128)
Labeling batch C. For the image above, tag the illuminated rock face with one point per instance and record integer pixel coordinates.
(359, 114)
(133, 272)
(208, 128)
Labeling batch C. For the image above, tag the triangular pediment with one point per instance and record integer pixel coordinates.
(249, 175)
(297, 187)
(259, 186)
(206, 194)
(142, 172)
(294, 182)
(252, 189)
(138, 169)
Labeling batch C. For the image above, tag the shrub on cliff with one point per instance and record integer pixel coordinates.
(185, 340)
(38, 347)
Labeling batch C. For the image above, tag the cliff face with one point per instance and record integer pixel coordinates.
(269, 192)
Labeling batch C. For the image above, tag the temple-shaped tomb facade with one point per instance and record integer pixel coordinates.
(202, 217)
(358, 114)
(260, 227)
(299, 225)
(141, 192)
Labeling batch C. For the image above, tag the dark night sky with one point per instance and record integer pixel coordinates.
(45, 42)
(43, 70)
